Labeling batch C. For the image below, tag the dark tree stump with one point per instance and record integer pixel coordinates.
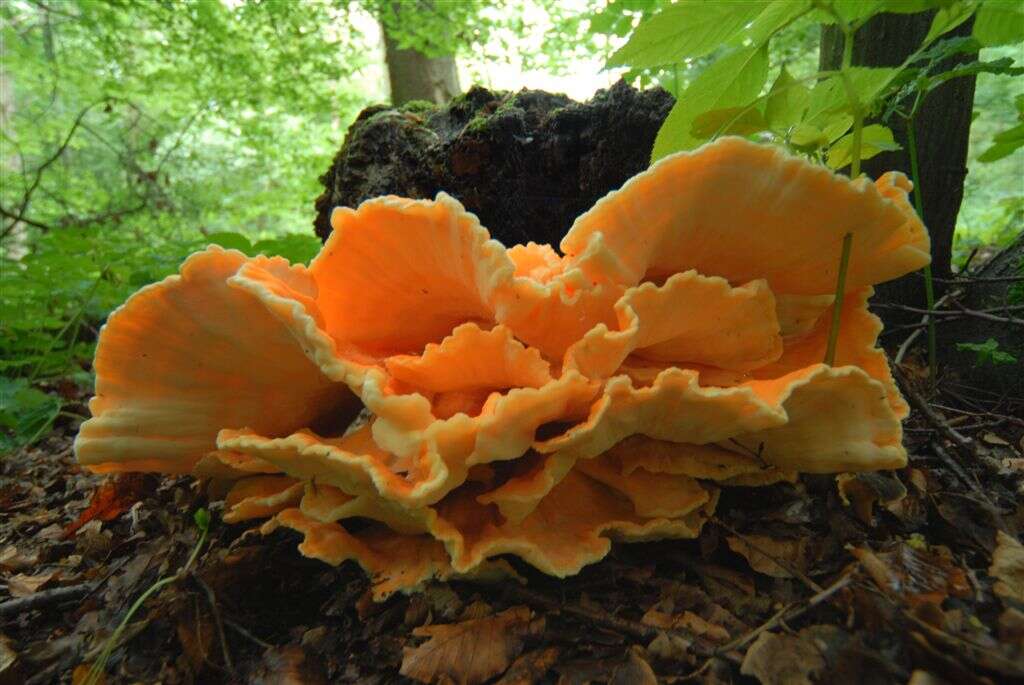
(1005, 379)
(527, 163)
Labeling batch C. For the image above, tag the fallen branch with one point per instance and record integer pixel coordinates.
(924, 320)
(960, 280)
(963, 443)
(44, 598)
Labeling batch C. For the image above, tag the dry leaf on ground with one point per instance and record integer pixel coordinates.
(756, 550)
(23, 585)
(636, 671)
(1008, 567)
(289, 665)
(470, 651)
(782, 660)
(114, 497)
(530, 667)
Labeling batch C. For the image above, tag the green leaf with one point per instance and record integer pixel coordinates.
(999, 23)
(734, 121)
(26, 414)
(775, 16)
(202, 519)
(732, 81)
(987, 352)
(787, 101)
(686, 30)
(1004, 144)
(813, 136)
(857, 10)
(1002, 67)
(295, 247)
(948, 18)
(829, 96)
(230, 241)
(874, 139)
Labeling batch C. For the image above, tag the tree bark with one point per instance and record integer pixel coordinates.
(414, 75)
(941, 127)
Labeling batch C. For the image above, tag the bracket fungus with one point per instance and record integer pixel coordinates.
(422, 399)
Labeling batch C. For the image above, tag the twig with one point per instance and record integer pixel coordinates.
(988, 317)
(212, 599)
(961, 280)
(949, 312)
(790, 612)
(793, 611)
(619, 625)
(952, 463)
(781, 563)
(963, 443)
(924, 320)
(238, 628)
(19, 216)
(44, 598)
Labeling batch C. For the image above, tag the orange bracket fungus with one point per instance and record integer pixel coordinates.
(459, 400)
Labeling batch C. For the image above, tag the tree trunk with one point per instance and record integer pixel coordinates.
(941, 127)
(413, 75)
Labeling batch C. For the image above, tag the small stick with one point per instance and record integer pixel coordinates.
(924, 320)
(795, 572)
(212, 599)
(238, 628)
(961, 280)
(620, 625)
(44, 598)
(963, 443)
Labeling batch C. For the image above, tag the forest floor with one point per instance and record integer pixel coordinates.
(918, 578)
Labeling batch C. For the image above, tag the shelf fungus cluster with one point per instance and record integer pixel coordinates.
(422, 399)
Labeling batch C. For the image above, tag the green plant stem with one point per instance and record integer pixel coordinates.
(844, 257)
(96, 672)
(929, 284)
(837, 306)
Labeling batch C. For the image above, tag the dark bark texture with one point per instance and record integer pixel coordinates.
(527, 163)
(942, 129)
(989, 295)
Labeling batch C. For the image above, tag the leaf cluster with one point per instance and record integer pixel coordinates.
(815, 112)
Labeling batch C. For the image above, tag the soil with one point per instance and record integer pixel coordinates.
(789, 583)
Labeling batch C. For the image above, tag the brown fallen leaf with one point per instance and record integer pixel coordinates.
(668, 647)
(470, 651)
(530, 667)
(81, 674)
(636, 671)
(10, 668)
(1008, 567)
(757, 548)
(920, 677)
(289, 665)
(687, 621)
(114, 497)
(13, 560)
(925, 575)
(23, 585)
(1011, 627)
(776, 659)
